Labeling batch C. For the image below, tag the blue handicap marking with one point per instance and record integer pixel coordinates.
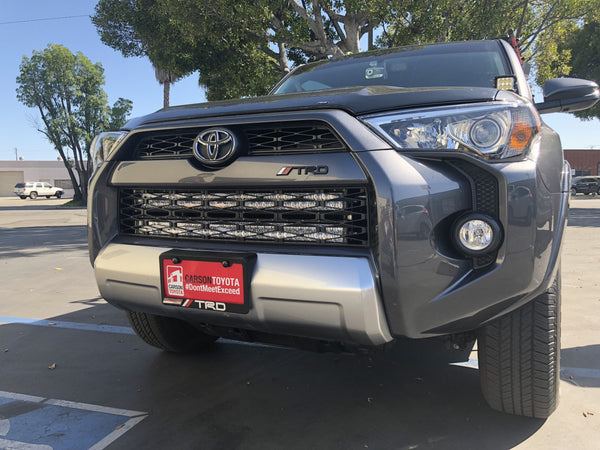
(35, 423)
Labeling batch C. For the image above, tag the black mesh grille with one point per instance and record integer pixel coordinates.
(262, 139)
(485, 200)
(171, 145)
(485, 186)
(334, 216)
(292, 138)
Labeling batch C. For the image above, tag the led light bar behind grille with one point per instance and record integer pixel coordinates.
(335, 216)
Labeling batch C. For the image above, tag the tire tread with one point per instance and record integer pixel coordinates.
(519, 357)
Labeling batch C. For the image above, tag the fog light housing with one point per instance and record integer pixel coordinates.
(476, 234)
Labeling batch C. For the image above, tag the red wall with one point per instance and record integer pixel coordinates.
(583, 159)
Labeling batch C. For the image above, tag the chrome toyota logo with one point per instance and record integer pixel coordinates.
(215, 146)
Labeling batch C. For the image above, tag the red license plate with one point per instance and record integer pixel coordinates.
(218, 285)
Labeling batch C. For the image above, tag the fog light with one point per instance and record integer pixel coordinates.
(476, 234)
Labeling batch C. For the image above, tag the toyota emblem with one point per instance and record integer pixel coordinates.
(215, 146)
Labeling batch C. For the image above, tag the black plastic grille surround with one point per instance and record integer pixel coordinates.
(258, 139)
(330, 216)
(485, 200)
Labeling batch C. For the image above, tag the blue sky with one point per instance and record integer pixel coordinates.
(131, 78)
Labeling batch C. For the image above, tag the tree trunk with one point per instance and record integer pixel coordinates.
(166, 94)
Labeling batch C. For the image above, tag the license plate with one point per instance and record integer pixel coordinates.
(216, 284)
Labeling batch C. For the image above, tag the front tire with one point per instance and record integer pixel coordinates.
(166, 333)
(519, 357)
(58, 194)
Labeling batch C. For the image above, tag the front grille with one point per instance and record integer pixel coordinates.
(330, 216)
(288, 138)
(255, 139)
(172, 145)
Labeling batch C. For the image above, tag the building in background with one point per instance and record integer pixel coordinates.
(53, 172)
(583, 161)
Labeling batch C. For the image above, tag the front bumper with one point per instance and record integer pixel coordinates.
(332, 298)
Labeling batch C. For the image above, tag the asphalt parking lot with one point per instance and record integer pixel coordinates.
(73, 376)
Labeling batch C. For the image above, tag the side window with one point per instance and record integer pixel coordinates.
(38, 185)
(47, 185)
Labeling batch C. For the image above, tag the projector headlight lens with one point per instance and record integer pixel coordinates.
(494, 131)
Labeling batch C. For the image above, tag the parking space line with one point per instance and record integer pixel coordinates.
(61, 424)
(117, 433)
(471, 363)
(69, 325)
(21, 397)
(94, 408)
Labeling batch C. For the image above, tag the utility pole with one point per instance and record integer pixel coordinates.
(16, 154)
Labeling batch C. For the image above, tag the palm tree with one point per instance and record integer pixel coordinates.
(166, 79)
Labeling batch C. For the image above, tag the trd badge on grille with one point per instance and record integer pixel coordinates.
(215, 147)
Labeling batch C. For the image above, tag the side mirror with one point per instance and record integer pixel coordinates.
(568, 95)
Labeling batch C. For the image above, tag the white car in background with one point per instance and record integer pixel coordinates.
(35, 189)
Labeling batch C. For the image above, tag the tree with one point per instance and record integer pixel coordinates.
(584, 47)
(242, 48)
(66, 89)
(537, 24)
(238, 48)
(166, 79)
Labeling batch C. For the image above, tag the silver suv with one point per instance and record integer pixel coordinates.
(35, 189)
(403, 193)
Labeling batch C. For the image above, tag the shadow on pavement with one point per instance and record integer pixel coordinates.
(34, 241)
(586, 363)
(37, 205)
(584, 217)
(240, 396)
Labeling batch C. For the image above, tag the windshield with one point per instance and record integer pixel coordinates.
(445, 65)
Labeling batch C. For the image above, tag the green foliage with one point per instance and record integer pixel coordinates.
(584, 46)
(119, 113)
(241, 48)
(238, 48)
(66, 89)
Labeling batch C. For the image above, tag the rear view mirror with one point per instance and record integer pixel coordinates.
(568, 95)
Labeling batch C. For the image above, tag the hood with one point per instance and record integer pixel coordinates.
(356, 101)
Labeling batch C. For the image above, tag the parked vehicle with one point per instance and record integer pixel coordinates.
(401, 193)
(35, 189)
(585, 185)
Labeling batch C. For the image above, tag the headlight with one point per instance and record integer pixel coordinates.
(492, 131)
(105, 144)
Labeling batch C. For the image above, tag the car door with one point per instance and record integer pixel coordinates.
(47, 189)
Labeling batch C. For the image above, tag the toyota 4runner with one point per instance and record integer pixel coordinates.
(406, 193)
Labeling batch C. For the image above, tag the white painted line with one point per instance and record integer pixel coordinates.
(134, 417)
(22, 397)
(471, 363)
(117, 433)
(5, 444)
(94, 408)
(68, 325)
